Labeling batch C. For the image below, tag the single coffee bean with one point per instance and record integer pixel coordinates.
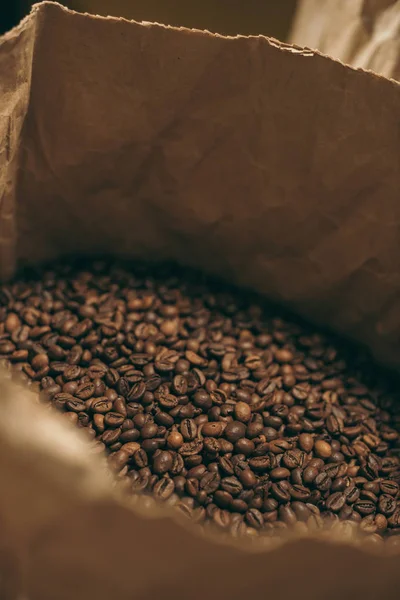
(164, 488)
(279, 473)
(254, 518)
(335, 502)
(364, 507)
(247, 478)
(310, 474)
(390, 487)
(242, 412)
(301, 511)
(323, 449)
(210, 482)
(212, 429)
(322, 481)
(387, 504)
(162, 463)
(287, 514)
(280, 492)
(299, 492)
(234, 431)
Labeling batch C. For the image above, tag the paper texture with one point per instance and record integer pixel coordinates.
(272, 166)
(362, 33)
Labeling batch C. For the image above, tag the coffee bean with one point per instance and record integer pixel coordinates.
(301, 511)
(231, 485)
(196, 394)
(6, 347)
(310, 474)
(175, 440)
(323, 449)
(162, 462)
(212, 429)
(234, 431)
(364, 507)
(149, 431)
(390, 487)
(322, 481)
(394, 519)
(299, 492)
(254, 518)
(247, 478)
(164, 488)
(221, 518)
(335, 502)
(293, 459)
(387, 504)
(287, 514)
(242, 412)
(188, 429)
(279, 473)
(280, 492)
(191, 448)
(210, 482)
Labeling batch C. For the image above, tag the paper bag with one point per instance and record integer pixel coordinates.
(363, 33)
(269, 165)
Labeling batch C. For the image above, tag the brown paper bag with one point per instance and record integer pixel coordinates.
(272, 166)
(362, 33)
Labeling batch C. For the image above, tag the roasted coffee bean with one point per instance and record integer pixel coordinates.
(234, 431)
(212, 429)
(322, 481)
(191, 448)
(280, 492)
(287, 514)
(309, 475)
(301, 511)
(299, 492)
(390, 487)
(148, 431)
(162, 463)
(254, 518)
(231, 485)
(247, 478)
(242, 412)
(323, 449)
(196, 394)
(387, 504)
(221, 518)
(293, 459)
(364, 507)
(335, 502)
(260, 463)
(175, 440)
(188, 429)
(279, 473)
(210, 482)
(223, 499)
(164, 488)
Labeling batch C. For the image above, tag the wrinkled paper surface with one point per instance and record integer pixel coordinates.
(362, 33)
(272, 166)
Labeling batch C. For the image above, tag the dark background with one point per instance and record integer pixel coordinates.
(268, 17)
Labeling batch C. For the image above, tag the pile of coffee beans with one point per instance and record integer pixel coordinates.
(205, 397)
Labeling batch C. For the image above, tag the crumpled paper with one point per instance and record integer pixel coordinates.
(362, 33)
(267, 164)
(272, 166)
